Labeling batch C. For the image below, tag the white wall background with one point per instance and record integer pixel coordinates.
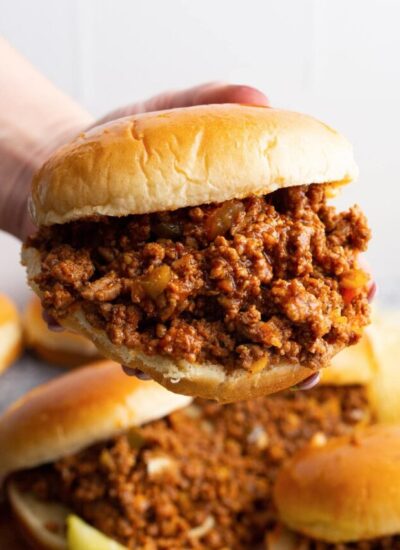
(336, 59)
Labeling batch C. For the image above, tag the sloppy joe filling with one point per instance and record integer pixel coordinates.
(273, 277)
(203, 476)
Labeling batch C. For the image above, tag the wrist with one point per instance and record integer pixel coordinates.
(31, 147)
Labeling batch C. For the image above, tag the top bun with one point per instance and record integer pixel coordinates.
(76, 410)
(347, 490)
(186, 157)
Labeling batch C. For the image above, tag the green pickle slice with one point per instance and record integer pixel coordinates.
(81, 536)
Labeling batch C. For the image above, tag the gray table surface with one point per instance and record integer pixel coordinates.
(26, 373)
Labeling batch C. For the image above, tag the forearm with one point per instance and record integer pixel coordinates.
(35, 118)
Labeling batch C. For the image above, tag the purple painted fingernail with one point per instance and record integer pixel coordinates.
(52, 324)
(372, 292)
(135, 372)
(308, 383)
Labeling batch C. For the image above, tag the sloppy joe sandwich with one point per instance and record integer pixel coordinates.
(10, 333)
(150, 469)
(198, 245)
(64, 348)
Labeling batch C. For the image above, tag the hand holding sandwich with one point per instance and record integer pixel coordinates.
(36, 118)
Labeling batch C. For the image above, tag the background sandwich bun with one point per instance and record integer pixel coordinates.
(10, 333)
(347, 490)
(76, 410)
(185, 157)
(353, 365)
(33, 517)
(65, 348)
(10, 538)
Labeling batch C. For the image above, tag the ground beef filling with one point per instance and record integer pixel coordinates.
(203, 476)
(274, 277)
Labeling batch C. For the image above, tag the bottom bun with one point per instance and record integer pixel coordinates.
(10, 333)
(345, 491)
(201, 380)
(42, 524)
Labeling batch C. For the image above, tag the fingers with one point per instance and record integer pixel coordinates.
(207, 94)
(308, 383)
(135, 372)
(52, 324)
(212, 92)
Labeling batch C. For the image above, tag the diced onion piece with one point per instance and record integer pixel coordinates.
(155, 282)
(259, 365)
(319, 439)
(221, 220)
(258, 437)
(203, 529)
(159, 464)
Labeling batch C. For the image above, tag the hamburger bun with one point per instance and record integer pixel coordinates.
(76, 410)
(384, 389)
(33, 517)
(60, 348)
(185, 157)
(353, 365)
(10, 333)
(346, 490)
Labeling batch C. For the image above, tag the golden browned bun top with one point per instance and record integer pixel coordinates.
(185, 157)
(76, 410)
(8, 311)
(347, 490)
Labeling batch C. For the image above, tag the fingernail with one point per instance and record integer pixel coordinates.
(373, 289)
(308, 383)
(52, 324)
(135, 372)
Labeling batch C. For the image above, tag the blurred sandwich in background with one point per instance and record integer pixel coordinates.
(64, 348)
(138, 465)
(10, 333)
